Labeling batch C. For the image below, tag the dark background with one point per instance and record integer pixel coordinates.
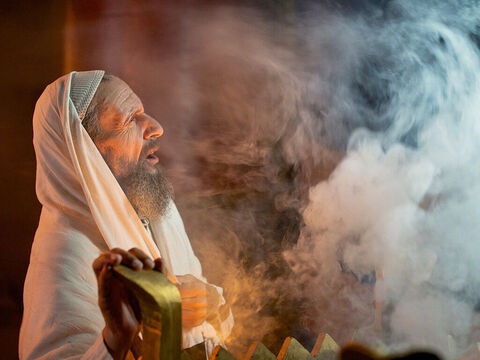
(31, 36)
(42, 40)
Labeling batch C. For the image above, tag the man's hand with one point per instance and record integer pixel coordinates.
(200, 301)
(119, 308)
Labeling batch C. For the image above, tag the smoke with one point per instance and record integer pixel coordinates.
(333, 182)
(402, 206)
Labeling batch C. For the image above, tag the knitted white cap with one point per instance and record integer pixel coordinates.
(83, 86)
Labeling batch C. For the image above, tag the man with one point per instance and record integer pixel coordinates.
(103, 192)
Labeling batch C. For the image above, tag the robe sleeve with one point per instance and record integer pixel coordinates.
(62, 319)
(97, 351)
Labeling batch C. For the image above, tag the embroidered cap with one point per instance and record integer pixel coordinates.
(83, 87)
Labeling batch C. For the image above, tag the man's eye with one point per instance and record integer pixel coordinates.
(130, 119)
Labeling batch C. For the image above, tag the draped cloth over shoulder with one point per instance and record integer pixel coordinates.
(84, 212)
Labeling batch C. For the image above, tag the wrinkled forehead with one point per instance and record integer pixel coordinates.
(117, 95)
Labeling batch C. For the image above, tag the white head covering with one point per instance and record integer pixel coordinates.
(84, 212)
(81, 184)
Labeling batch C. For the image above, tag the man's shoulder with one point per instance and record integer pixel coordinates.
(59, 245)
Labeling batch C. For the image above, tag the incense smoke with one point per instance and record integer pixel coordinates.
(402, 206)
(336, 167)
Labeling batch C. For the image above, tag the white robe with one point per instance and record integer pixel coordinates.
(84, 213)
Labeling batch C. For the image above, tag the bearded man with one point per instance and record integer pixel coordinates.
(103, 192)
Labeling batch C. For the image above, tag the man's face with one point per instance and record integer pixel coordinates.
(128, 141)
(129, 136)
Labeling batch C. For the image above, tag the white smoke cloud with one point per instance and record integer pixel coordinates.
(404, 201)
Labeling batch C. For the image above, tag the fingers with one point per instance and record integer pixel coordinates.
(134, 258)
(194, 304)
(194, 312)
(104, 261)
(194, 300)
(186, 293)
(148, 263)
(191, 319)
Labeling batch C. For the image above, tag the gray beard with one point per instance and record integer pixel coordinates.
(150, 194)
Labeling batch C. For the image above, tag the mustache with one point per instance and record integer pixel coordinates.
(151, 145)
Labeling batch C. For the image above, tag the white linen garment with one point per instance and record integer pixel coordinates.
(85, 212)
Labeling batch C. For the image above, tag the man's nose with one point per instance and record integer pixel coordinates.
(153, 129)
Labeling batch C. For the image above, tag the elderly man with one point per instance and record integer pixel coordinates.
(103, 192)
